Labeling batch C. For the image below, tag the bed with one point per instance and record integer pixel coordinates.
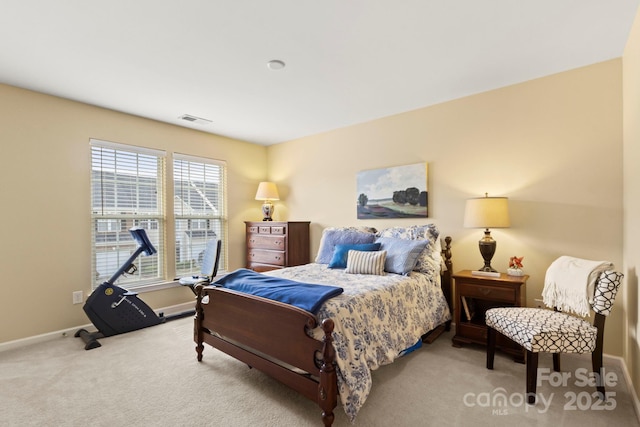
(378, 316)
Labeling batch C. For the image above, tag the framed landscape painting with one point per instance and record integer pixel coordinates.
(397, 192)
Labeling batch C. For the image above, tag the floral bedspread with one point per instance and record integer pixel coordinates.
(376, 318)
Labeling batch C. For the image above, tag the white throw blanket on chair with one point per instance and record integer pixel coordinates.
(569, 283)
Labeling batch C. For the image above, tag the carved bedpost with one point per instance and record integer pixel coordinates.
(197, 323)
(328, 387)
(446, 251)
(446, 282)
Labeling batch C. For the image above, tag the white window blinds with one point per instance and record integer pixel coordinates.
(199, 209)
(127, 187)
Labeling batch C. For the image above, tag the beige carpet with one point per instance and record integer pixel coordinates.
(151, 378)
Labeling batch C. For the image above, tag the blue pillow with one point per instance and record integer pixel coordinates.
(402, 254)
(342, 236)
(340, 253)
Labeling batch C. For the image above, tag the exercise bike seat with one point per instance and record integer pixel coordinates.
(209, 269)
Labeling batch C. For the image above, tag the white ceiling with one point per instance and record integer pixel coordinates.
(347, 61)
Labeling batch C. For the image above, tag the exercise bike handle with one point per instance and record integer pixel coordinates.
(144, 245)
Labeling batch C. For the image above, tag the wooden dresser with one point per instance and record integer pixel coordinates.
(277, 244)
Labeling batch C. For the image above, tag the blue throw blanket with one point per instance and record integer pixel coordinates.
(306, 296)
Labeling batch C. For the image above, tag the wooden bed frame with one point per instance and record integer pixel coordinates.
(272, 337)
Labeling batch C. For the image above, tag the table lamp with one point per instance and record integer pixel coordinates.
(267, 191)
(487, 212)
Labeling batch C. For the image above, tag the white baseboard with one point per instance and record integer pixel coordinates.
(178, 308)
(10, 345)
(627, 378)
(70, 332)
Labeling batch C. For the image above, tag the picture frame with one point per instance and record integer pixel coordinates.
(393, 192)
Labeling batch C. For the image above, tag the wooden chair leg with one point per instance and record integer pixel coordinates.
(596, 356)
(556, 362)
(532, 373)
(491, 347)
(596, 363)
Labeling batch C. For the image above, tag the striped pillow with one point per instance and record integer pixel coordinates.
(360, 262)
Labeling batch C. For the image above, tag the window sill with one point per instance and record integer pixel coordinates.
(151, 287)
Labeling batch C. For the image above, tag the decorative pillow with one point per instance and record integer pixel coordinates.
(397, 233)
(430, 259)
(401, 254)
(339, 259)
(359, 262)
(333, 236)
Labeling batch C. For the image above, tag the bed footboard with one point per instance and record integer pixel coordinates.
(272, 337)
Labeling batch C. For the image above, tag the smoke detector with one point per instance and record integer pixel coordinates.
(275, 64)
(194, 119)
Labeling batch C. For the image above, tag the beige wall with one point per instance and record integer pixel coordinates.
(631, 126)
(552, 145)
(44, 171)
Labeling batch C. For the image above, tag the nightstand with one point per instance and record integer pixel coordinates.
(277, 244)
(476, 294)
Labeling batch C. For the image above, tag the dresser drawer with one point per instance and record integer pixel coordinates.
(266, 257)
(260, 268)
(493, 293)
(278, 229)
(267, 229)
(476, 333)
(263, 241)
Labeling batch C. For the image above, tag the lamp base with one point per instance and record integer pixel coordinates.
(267, 210)
(487, 248)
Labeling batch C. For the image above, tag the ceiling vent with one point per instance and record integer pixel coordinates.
(194, 119)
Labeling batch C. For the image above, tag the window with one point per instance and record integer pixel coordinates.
(127, 188)
(198, 207)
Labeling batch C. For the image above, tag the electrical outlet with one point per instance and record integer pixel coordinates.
(538, 303)
(77, 297)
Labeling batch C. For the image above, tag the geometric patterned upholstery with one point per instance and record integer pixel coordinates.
(547, 331)
(540, 330)
(605, 292)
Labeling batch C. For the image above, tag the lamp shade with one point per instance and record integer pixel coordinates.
(487, 212)
(267, 191)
